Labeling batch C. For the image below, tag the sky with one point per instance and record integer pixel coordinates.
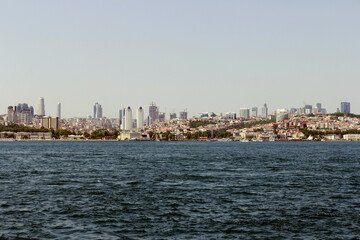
(203, 55)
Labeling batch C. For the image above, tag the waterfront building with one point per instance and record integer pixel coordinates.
(58, 114)
(345, 107)
(244, 113)
(98, 110)
(264, 111)
(183, 115)
(140, 117)
(128, 119)
(254, 112)
(41, 108)
(281, 115)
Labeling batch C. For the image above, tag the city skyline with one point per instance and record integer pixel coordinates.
(155, 114)
(201, 56)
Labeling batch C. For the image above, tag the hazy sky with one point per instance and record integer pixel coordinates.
(200, 55)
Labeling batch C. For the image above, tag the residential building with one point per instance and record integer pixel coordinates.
(281, 115)
(49, 122)
(244, 113)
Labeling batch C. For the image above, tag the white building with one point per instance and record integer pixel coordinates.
(244, 113)
(281, 115)
(128, 119)
(41, 108)
(140, 117)
(58, 110)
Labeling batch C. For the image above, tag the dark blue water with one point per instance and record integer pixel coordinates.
(179, 190)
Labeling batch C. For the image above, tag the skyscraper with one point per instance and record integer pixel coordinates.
(128, 118)
(172, 115)
(254, 112)
(345, 107)
(153, 112)
(58, 110)
(41, 108)
(120, 118)
(308, 109)
(140, 117)
(264, 111)
(244, 113)
(183, 115)
(97, 110)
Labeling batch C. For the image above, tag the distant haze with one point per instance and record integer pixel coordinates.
(200, 55)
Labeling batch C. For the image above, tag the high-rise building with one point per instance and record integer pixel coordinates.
(264, 111)
(254, 112)
(172, 115)
(148, 121)
(183, 114)
(58, 113)
(140, 118)
(153, 112)
(97, 110)
(41, 108)
(120, 118)
(244, 113)
(161, 117)
(345, 107)
(128, 118)
(281, 115)
(12, 116)
(230, 115)
(49, 122)
(308, 109)
(24, 116)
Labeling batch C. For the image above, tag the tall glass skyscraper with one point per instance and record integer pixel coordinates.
(345, 107)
